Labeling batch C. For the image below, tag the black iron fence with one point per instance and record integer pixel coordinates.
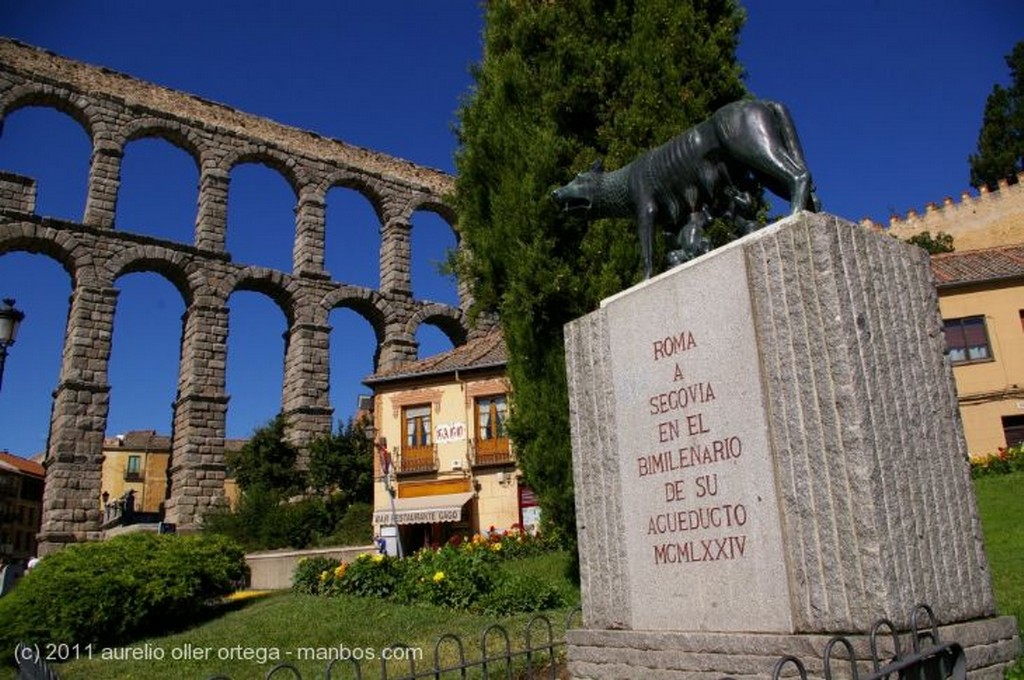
(540, 657)
(920, 655)
(927, 658)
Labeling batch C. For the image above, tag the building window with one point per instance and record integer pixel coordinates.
(491, 418)
(417, 441)
(416, 427)
(1013, 430)
(133, 470)
(967, 340)
(491, 441)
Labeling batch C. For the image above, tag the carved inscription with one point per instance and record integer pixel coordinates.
(702, 518)
(699, 527)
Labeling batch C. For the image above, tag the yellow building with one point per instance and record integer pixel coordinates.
(137, 462)
(981, 297)
(441, 423)
(21, 503)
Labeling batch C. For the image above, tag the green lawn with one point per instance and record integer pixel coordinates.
(1001, 506)
(285, 624)
(289, 626)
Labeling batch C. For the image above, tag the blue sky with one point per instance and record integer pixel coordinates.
(887, 97)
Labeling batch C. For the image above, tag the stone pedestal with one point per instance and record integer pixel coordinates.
(767, 447)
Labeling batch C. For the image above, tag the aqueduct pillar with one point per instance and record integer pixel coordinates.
(71, 509)
(197, 467)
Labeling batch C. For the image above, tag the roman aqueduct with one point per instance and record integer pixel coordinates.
(115, 110)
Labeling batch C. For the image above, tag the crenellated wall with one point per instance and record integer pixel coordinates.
(992, 218)
(115, 109)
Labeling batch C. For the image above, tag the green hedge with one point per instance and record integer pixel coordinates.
(113, 592)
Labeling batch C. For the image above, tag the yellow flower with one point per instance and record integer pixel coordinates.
(438, 576)
(339, 571)
(378, 558)
(324, 575)
(246, 595)
(496, 547)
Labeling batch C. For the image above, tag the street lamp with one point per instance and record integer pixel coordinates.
(10, 319)
(387, 471)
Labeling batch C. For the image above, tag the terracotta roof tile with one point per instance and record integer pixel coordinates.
(974, 266)
(23, 465)
(139, 440)
(484, 352)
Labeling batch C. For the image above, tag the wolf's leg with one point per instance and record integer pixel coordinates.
(645, 219)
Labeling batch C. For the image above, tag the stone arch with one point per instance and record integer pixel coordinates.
(61, 247)
(181, 138)
(270, 282)
(284, 246)
(367, 303)
(270, 158)
(451, 321)
(365, 187)
(24, 96)
(440, 208)
(172, 132)
(171, 264)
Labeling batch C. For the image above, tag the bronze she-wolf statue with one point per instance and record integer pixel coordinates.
(709, 171)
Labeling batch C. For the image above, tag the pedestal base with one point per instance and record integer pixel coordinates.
(990, 645)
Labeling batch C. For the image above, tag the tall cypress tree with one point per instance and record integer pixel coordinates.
(1001, 140)
(561, 84)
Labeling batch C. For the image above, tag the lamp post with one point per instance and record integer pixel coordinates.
(10, 319)
(387, 470)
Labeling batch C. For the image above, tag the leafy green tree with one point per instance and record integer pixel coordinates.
(561, 84)
(267, 462)
(940, 243)
(343, 461)
(1001, 140)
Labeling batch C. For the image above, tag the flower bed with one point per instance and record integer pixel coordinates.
(465, 574)
(1004, 461)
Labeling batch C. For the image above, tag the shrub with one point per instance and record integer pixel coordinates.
(308, 575)
(1005, 461)
(354, 528)
(450, 577)
(263, 521)
(115, 591)
(518, 593)
(371, 575)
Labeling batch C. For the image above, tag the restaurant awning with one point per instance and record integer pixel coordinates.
(424, 509)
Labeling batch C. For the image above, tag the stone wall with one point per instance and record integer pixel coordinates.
(992, 218)
(114, 110)
(17, 193)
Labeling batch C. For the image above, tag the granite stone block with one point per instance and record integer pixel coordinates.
(766, 441)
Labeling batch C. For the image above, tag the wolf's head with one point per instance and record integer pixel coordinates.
(582, 191)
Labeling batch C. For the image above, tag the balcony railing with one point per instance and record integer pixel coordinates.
(132, 476)
(416, 460)
(494, 451)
